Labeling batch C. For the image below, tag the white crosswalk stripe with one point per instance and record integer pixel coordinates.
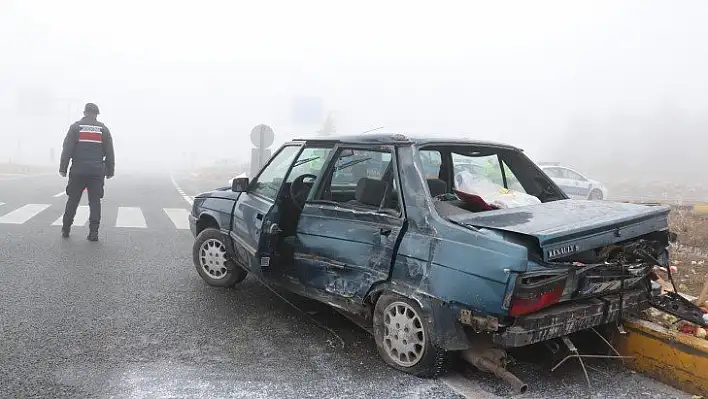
(82, 216)
(126, 217)
(129, 216)
(23, 214)
(179, 217)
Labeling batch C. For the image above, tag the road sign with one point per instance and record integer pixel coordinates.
(262, 136)
(258, 158)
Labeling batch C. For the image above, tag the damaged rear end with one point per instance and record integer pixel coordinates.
(590, 263)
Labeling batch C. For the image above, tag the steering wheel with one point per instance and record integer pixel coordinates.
(299, 191)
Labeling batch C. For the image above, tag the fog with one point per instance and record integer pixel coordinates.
(606, 85)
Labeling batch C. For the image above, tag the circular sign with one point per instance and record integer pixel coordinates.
(262, 136)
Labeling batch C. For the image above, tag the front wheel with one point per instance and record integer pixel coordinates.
(212, 263)
(404, 337)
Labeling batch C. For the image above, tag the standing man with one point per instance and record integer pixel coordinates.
(89, 146)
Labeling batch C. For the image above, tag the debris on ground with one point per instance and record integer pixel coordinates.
(672, 322)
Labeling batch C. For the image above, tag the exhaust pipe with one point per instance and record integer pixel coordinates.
(487, 365)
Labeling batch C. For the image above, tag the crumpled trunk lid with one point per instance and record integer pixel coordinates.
(566, 227)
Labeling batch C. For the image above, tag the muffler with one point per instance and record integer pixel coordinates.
(490, 361)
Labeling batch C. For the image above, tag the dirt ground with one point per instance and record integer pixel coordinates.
(690, 255)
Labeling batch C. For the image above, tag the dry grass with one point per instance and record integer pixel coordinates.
(690, 255)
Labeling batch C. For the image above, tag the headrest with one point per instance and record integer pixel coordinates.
(437, 187)
(370, 191)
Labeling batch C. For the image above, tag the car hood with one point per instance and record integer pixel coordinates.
(570, 226)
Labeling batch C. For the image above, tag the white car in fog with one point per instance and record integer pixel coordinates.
(573, 183)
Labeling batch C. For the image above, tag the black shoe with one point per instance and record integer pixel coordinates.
(65, 232)
(93, 236)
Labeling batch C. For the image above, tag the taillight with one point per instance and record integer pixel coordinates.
(533, 295)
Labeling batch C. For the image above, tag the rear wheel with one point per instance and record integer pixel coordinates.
(403, 337)
(595, 194)
(212, 263)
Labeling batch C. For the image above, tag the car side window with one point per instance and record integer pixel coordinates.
(310, 162)
(552, 172)
(431, 161)
(363, 180)
(268, 182)
(487, 167)
(569, 174)
(484, 166)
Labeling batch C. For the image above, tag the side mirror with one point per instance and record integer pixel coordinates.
(239, 184)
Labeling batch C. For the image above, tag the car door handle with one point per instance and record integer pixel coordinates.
(385, 232)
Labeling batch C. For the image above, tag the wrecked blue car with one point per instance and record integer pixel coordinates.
(372, 225)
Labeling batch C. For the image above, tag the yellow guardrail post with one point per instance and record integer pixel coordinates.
(674, 358)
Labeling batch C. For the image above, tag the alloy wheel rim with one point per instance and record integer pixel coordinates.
(404, 335)
(212, 258)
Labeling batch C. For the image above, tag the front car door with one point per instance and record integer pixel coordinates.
(256, 203)
(581, 184)
(350, 225)
(559, 177)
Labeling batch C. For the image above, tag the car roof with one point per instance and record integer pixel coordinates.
(400, 139)
(546, 165)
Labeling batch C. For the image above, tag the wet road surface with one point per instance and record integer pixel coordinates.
(129, 316)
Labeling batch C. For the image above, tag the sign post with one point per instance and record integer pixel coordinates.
(262, 137)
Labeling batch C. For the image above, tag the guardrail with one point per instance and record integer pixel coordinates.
(674, 358)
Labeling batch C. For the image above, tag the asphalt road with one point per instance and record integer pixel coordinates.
(129, 317)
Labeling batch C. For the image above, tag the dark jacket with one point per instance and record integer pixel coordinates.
(89, 145)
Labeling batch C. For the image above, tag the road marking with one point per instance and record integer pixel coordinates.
(181, 192)
(7, 177)
(80, 219)
(23, 214)
(465, 387)
(130, 217)
(179, 217)
(59, 194)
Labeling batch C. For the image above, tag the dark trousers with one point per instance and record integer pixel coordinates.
(75, 189)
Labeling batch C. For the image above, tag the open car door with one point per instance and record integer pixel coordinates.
(257, 212)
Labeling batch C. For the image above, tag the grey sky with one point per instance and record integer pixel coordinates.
(172, 77)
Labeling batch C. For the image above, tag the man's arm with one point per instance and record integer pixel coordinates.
(108, 151)
(67, 149)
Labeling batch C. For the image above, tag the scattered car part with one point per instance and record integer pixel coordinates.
(674, 303)
(574, 353)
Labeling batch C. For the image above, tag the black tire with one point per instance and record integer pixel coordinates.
(432, 361)
(595, 194)
(219, 276)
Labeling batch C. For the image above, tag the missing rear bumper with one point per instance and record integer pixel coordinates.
(567, 318)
